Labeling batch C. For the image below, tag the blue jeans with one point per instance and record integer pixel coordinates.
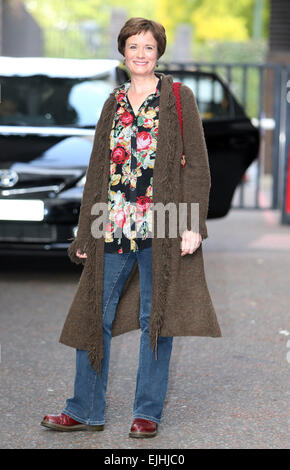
(89, 401)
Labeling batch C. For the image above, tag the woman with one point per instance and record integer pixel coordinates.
(133, 278)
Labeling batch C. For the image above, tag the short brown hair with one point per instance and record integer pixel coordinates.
(136, 26)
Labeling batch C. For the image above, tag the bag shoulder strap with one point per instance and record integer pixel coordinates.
(176, 86)
(176, 91)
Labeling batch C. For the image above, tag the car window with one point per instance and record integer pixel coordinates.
(212, 98)
(45, 101)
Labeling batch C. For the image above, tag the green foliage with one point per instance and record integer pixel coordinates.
(253, 51)
(213, 22)
(222, 16)
(61, 13)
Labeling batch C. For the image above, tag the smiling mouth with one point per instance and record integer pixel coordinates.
(140, 63)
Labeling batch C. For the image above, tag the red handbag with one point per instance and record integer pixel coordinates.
(175, 87)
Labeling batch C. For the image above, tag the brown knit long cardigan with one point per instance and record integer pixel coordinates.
(181, 303)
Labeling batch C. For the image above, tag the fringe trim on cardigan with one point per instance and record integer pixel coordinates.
(96, 348)
(170, 179)
(88, 243)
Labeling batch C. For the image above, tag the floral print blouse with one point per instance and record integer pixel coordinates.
(133, 143)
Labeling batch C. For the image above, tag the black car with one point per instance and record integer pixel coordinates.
(232, 140)
(48, 112)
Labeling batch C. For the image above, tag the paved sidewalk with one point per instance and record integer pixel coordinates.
(229, 392)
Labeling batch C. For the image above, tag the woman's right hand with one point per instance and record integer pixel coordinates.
(81, 255)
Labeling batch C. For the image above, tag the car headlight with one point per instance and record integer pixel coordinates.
(81, 182)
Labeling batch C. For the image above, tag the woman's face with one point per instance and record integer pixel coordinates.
(141, 53)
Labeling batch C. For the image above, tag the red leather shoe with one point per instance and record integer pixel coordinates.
(143, 428)
(63, 422)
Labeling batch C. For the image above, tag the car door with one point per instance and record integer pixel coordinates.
(232, 141)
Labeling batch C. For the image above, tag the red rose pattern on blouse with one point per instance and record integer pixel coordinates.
(133, 143)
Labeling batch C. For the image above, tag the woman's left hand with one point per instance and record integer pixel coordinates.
(190, 242)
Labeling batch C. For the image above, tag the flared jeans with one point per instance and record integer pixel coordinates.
(89, 401)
